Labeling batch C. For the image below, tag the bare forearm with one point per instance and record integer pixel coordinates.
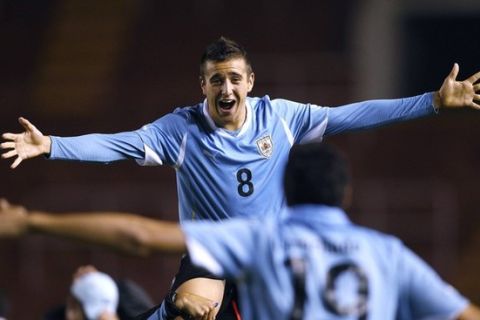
(126, 232)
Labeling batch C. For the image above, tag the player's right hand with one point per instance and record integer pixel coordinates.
(28, 144)
(13, 220)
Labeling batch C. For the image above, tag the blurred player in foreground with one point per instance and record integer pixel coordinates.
(313, 264)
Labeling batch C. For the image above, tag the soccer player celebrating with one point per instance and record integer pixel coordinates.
(229, 150)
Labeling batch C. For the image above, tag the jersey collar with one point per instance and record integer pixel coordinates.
(223, 131)
(312, 213)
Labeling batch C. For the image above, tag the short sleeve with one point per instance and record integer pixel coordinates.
(423, 294)
(224, 248)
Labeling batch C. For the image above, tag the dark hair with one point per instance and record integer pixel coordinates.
(316, 173)
(221, 50)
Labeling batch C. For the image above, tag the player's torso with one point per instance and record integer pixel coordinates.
(228, 174)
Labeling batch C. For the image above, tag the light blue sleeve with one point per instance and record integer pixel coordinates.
(165, 139)
(97, 147)
(226, 248)
(154, 144)
(375, 113)
(424, 295)
(303, 122)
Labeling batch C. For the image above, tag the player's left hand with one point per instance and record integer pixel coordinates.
(455, 94)
(13, 220)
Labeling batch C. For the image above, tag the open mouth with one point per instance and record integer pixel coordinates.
(226, 104)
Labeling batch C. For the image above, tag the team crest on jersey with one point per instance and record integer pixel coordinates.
(265, 146)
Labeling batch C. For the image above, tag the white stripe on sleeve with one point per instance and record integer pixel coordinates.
(201, 257)
(287, 131)
(151, 158)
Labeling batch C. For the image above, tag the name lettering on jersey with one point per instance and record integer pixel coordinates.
(341, 248)
(337, 248)
(265, 146)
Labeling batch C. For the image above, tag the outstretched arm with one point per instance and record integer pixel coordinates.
(126, 232)
(103, 148)
(374, 113)
(28, 144)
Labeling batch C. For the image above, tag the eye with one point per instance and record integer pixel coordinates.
(216, 81)
(236, 80)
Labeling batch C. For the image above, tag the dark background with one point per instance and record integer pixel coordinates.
(74, 67)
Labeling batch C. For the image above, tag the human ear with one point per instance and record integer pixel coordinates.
(202, 85)
(251, 81)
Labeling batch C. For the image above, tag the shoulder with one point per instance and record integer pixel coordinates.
(279, 107)
(266, 101)
(188, 112)
(383, 245)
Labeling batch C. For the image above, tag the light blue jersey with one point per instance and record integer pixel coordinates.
(223, 174)
(350, 272)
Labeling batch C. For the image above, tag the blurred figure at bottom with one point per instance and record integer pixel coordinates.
(93, 295)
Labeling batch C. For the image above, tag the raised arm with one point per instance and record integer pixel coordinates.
(374, 113)
(125, 232)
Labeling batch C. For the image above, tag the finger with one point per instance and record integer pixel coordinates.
(3, 203)
(476, 97)
(454, 72)
(475, 105)
(9, 154)
(9, 136)
(474, 78)
(476, 87)
(211, 314)
(27, 125)
(206, 315)
(7, 145)
(16, 163)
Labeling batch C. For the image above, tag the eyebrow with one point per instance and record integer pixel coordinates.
(229, 74)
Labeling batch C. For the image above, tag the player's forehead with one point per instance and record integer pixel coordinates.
(225, 68)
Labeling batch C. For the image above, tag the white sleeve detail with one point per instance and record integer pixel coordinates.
(201, 257)
(287, 131)
(151, 158)
(181, 153)
(316, 133)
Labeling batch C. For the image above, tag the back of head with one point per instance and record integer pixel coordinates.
(316, 173)
(97, 293)
(221, 50)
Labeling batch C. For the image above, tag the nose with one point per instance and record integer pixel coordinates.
(227, 87)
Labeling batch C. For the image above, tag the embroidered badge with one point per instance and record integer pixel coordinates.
(265, 146)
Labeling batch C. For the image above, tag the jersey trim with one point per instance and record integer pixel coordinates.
(151, 158)
(222, 131)
(201, 257)
(181, 153)
(288, 132)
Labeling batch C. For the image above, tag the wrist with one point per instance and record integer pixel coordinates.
(437, 100)
(34, 221)
(47, 145)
